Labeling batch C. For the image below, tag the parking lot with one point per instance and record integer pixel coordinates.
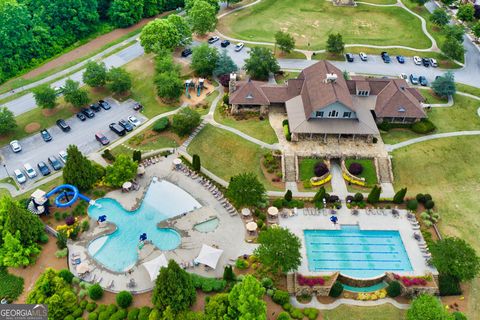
(82, 134)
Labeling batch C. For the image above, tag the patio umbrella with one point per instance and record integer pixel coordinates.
(143, 237)
(334, 219)
(127, 185)
(83, 268)
(252, 226)
(140, 170)
(245, 212)
(273, 211)
(102, 218)
(177, 161)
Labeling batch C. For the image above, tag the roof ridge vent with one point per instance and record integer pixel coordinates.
(331, 78)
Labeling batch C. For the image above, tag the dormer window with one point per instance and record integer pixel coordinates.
(401, 110)
(249, 96)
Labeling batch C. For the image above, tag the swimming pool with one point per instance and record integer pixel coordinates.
(356, 253)
(118, 251)
(207, 225)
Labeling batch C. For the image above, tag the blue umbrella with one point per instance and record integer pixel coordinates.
(143, 237)
(334, 219)
(102, 218)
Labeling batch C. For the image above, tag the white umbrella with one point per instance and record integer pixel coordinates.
(153, 266)
(127, 185)
(252, 226)
(273, 211)
(83, 268)
(177, 161)
(140, 170)
(245, 212)
(209, 256)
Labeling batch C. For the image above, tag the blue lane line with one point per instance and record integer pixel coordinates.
(365, 252)
(356, 260)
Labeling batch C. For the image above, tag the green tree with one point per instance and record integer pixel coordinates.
(95, 74)
(427, 307)
(245, 190)
(466, 12)
(335, 43)
(228, 274)
(95, 292)
(453, 48)
(165, 34)
(196, 162)
(476, 29)
(79, 171)
(123, 169)
(15, 254)
(189, 4)
(173, 288)
(319, 196)
(204, 59)
(45, 96)
(7, 121)
(137, 156)
(74, 95)
(374, 195)
(184, 121)
(456, 258)
(217, 306)
(230, 2)
(400, 195)
(202, 17)
(246, 301)
(455, 31)
(261, 63)
(124, 13)
(152, 7)
(447, 2)
(284, 41)
(119, 80)
(224, 65)
(440, 17)
(279, 249)
(444, 86)
(169, 85)
(420, 2)
(288, 195)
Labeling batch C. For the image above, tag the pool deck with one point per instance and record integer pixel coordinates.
(297, 224)
(228, 236)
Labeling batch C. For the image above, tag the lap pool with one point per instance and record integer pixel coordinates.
(118, 251)
(356, 253)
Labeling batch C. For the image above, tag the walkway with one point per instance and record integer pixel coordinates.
(329, 306)
(338, 183)
(399, 145)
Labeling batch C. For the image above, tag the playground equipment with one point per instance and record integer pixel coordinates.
(200, 86)
(64, 192)
(189, 84)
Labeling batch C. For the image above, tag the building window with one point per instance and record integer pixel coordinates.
(347, 114)
(333, 114)
(319, 114)
(401, 110)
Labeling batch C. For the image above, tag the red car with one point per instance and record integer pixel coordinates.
(102, 139)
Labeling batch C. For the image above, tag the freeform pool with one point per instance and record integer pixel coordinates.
(118, 251)
(356, 253)
(207, 225)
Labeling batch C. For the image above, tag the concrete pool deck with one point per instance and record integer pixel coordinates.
(297, 224)
(228, 236)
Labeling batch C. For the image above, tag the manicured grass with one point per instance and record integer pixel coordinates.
(368, 172)
(10, 286)
(449, 170)
(281, 78)
(47, 186)
(328, 56)
(380, 1)
(311, 22)
(9, 180)
(226, 154)
(259, 129)
(468, 89)
(306, 167)
(382, 312)
(431, 97)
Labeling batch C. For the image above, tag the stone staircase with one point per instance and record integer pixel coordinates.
(385, 174)
(290, 168)
(185, 144)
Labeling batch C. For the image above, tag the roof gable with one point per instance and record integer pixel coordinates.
(249, 93)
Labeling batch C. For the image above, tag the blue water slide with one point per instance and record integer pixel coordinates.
(69, 190)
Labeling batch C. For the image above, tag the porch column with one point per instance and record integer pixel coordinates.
(339, 135)
(325, 138)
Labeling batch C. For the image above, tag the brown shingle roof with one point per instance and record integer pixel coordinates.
(395, 100)
(249, 93)
(362, 86)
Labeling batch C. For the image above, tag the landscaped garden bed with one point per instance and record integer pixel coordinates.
(309, 168)
(363, 169)
(272, 168)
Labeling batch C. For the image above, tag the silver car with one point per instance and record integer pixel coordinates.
(19, 176)
(15, 146)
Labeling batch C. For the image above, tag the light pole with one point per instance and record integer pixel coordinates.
(5, 167)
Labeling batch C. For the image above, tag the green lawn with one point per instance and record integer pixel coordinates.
(431, 97)
(47, 186)
(380, 1)
(306, 167)
(310, 22)
(382, 312)
(468, 89)
(226, 154)
(281, 78)
(368, 172)
(259, 129)
(449, 170)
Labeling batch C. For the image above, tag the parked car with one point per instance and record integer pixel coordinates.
(63, 125)
(414, 79)
(63, 156)
(403, 76)
(213, 39)
(44, 170)
(87, 112)
(224, 43)
(417, 60)
(81, 116)
(58, 90)
(349, 57)
(401, 59)
(31, 173)
(45, 135)
(363, 56)
(134, 121)
(125, 125)
(433, 62)
(423, 81)
(95, 107)
(426, 62)
(19, 176)
(186, 52)
(102, 139)
(118, 129)
(104, 104)
(15, 146)
(239, 46)
(56, 165)
(137, 106)
(385, 57)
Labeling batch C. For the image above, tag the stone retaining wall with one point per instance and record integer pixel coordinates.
(413, 291)
(298, 290)
(347, 173)
(360, 283)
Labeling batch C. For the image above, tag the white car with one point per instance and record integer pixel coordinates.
(19, 176)
(63, 156)
(31, 173)
(433, 62)
(417, 60)
(15, 146)
(239, 46)
(404, 77)
(134, 121)
(363, 56)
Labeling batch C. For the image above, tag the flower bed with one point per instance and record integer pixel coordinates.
(365, 296)
(311, 281)
(412, 281)
(315, 181)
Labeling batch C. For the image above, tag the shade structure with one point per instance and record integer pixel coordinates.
(251, 226)
(38, 194)
(273, 211)
(127, 185)
(153, 266)
(83, 268)
(246, 212)
(209, 256)
(177, 161)
(140, 170)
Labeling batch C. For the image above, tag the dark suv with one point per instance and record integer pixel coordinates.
(104, 104)
(126, 125)
(56, 165)
(118, 129)
(349, 57)
(63, 125)
(95, 107)
(386, 57)
(45, 135)
(224, 43)
(186, 52)
(89, 113)
(426, 62)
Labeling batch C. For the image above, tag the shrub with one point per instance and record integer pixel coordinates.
(43, 238)
(119, 315)
(91, 306)
(95, 292)
(83, 304)
(208, 284)
(296, 313)
(228, 274)
(101, 308)
(85, 225)
(161, 124)
(144, 313)
(241, 264)
(429, 204)
(103, 315)
(355, 168)
(107, 155)
(69, 317)
(58, 216)
(61, 253)
(260, 223)
(267, 282)
(420, 198)
(281, 297)
(77, 313)
(288, 195)
(336, 290)
(61, 240)
(283, 316)
(311, 313)
(111, 309)
(287, 307)
(124, 299)
(93, 316)
(424, 126)
(133, 314)
(457, 315)
(412, 205)
(66, 275)
(394, 289)
(358, 197)
(448, 285)
(320, 169)
(70, 220)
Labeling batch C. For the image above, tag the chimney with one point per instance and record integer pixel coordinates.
(232, 84)
(331, 78)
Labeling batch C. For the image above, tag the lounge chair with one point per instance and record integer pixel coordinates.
(111, 285)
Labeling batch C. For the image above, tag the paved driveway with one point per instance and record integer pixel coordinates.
(82, 135)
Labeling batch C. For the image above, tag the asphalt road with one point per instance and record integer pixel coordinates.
(82, 134)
